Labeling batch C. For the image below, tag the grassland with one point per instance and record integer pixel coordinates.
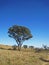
(23, 57)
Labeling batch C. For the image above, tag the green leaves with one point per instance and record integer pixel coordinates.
(19, 33)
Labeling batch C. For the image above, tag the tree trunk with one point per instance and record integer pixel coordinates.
(19, 47)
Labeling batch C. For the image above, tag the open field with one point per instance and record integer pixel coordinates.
(26, 57)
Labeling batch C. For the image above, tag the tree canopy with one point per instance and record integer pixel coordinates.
(20, 34)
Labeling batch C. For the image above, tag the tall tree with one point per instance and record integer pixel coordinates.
(20, 34)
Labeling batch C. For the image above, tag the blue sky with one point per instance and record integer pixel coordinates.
(33, 14)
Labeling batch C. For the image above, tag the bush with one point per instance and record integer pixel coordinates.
(9, 49)
(25, 46)
(37, 50)
(14, 47)
(31, 47)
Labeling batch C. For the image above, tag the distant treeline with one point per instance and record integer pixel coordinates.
(25, 47)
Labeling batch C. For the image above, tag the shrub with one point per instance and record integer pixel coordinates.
(25, 46)
(31, 47)
(14, 47)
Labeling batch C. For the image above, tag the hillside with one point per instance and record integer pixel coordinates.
(26, 57)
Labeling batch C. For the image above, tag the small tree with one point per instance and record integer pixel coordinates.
(25, 46)
(45, 47)
(31, 47)
(20, 34)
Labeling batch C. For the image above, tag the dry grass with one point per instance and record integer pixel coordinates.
(26, 57)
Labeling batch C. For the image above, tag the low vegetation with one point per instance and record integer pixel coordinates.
(23, 57)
